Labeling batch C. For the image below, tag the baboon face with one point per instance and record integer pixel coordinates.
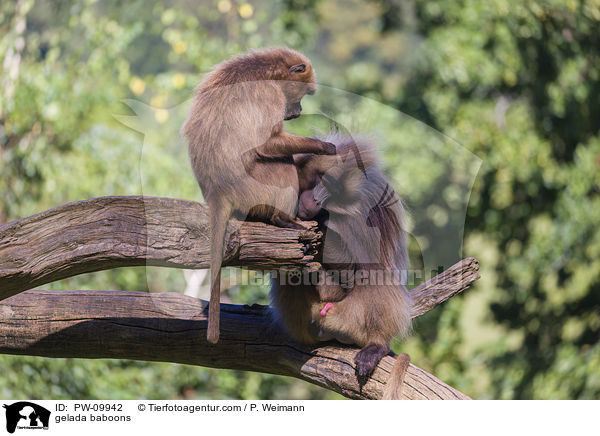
(295, 90)
(293, 111)
(308, 207)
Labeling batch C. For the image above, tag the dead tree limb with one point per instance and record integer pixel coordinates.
(172, 327)
(110, 232)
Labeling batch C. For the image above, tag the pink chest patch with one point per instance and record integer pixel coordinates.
(326, 308)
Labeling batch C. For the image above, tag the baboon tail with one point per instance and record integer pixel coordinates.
(393, 389)
(219, 215)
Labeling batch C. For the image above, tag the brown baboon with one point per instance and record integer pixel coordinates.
(359, 297)
(239, 152)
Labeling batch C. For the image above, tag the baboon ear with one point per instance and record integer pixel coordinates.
(298, 68)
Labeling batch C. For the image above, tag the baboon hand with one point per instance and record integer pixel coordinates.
(328, 148)
(282, 220)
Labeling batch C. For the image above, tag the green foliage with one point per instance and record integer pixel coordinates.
(93, 94)
(516, 84)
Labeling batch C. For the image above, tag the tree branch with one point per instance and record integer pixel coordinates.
(438, 289)
(172, 327)
(110, 232)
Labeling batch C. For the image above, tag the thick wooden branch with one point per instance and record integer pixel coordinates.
(172, 327)
(111, 232)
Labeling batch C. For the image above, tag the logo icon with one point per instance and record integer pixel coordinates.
(24, 414)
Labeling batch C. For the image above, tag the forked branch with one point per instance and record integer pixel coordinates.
(112, 232)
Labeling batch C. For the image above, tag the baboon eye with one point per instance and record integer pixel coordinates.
(298, 68)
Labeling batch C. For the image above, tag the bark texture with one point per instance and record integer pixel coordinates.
(111, 232)
(171, 327)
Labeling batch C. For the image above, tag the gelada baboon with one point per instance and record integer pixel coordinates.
(239, 152)
(359, 297)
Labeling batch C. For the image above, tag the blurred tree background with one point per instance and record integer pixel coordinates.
(515, 84)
